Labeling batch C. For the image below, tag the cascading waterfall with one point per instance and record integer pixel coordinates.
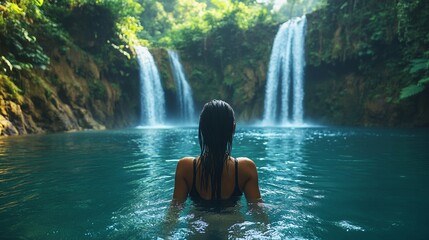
(284, 93)
(184, 92)
(151, 92)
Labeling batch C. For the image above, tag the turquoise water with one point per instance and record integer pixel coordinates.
(316, 183)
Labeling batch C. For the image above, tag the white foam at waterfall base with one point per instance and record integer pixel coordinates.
(284, 93)
(151, 92)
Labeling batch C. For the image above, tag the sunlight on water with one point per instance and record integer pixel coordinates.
(316, 183)
(171, 124)
(156, 126)
(265, 124)
(349, 226)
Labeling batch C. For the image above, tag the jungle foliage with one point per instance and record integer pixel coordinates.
(217, 37)
(366, 33)
(108, 30)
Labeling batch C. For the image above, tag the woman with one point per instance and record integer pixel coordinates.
(215, 174)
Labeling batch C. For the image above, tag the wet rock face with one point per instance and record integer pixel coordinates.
(12, 119)
(350, 98)
(6, 127)
(70, 95)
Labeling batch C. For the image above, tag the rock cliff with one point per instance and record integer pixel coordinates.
(73, 93)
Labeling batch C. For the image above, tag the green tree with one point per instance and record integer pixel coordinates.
(19, 48)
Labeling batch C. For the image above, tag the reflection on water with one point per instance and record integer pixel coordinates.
(285, 156)
(155, 156)
(281, 158)
(316, 183)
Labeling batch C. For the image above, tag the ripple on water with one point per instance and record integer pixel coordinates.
(349, 226)
(315, 183)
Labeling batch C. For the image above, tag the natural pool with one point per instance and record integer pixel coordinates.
(317, 183)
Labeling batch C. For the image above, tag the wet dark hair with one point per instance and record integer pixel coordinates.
(215, 132)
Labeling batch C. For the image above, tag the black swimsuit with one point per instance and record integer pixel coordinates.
(194, 193)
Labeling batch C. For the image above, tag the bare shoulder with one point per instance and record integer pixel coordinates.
(248, 178)
(185, 163)
(186, 160)
(184, 168)
(246, 164)
(182, 179)
(245, 161)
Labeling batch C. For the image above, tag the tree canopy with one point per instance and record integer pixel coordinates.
(105, 26)
(122, 24)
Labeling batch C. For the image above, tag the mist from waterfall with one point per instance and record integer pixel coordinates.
(284, 93)
(183, 90)
(151, 92)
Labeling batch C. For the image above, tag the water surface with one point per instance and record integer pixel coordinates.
(317, 183)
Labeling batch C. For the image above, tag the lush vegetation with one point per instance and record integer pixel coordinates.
(30, 28)
(224, 44)
(372, 32)
(98, 26)
(220, 32)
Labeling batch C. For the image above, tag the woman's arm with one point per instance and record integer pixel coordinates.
(181, 188)
(253, 195)
(251, 185)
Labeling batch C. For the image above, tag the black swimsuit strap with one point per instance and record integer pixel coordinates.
(237, 191)
(236, 172)
(195, 174)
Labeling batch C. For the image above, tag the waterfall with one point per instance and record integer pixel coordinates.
(151, 92)
(284, 93)
(184, 92)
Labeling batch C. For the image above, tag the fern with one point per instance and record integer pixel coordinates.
(424, 81)
(411, 90)
(418, 65)
(414, 89)
(417, 68)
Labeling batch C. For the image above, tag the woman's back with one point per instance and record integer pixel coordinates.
(215, 174)
(230, 186)
(247, 179)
